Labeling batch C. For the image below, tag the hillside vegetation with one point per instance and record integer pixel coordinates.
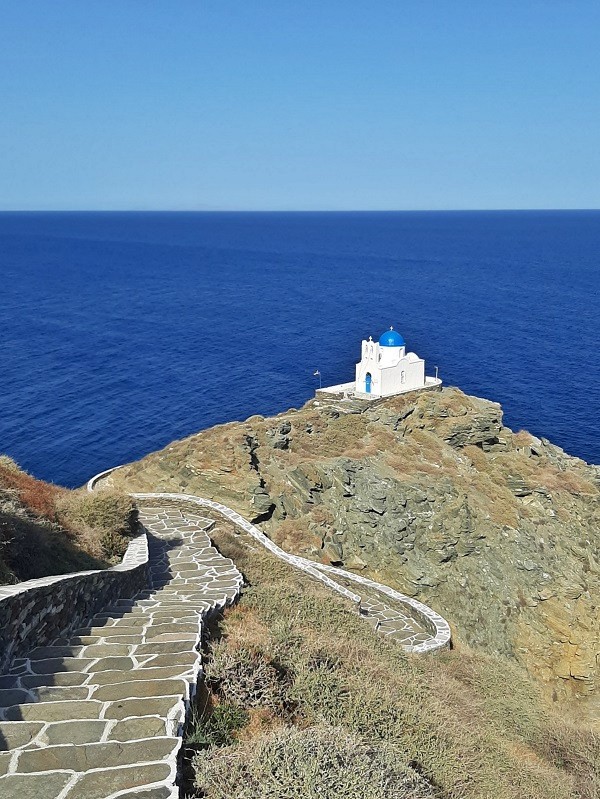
(305, 700)
(45, 529)
(432, 494)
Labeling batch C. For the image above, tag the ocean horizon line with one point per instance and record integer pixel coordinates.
(294, 210)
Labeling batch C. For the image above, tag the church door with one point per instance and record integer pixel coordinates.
(368, 383)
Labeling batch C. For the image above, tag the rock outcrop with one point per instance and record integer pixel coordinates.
(432, 494)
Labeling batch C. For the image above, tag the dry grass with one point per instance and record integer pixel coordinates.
(455, 726)
(569, 481)
(46, 529)
(294, 535)
(104, 522)
(37, 496)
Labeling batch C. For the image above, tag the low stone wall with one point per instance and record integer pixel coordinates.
(435, 624)
(34, 612)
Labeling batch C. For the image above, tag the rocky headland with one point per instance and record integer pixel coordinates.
(432, 494)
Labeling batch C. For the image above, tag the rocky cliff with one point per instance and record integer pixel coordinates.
(432, 494)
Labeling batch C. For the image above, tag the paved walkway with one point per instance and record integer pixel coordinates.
(389, 618)
(100, 714)
(416, 626)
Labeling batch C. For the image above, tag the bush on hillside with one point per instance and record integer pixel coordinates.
(105, 522)
(46, 529)
(36, 496)
(313, 677)
(9, 464)
(317, 763)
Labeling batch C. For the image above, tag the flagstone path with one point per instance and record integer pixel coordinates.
(416, 627)
(100, 714)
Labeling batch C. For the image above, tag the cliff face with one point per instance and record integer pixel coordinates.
(430, 493)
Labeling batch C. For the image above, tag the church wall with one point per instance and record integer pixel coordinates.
(392, 370)
(414, 377)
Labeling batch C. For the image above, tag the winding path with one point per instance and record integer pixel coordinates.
(416, 626)
(99, 712)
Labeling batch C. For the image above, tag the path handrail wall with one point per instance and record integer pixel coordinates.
(432, 621)
(34, 612)
(435, 624)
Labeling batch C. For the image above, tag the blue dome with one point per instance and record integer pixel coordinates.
(391, 339)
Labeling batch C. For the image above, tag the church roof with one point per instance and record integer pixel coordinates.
(391, 338)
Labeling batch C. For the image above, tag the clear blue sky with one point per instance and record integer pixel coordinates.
(299, 104)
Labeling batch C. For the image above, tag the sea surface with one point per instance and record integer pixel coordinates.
(120, 332)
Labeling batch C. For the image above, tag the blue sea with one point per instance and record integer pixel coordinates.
(120, 332)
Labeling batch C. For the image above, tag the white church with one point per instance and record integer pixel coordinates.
(385, 369)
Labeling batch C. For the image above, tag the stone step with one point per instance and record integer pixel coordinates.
(54, 711)
(112, 614)
(26, 786)
(151, 674)
(171, 707)
(186, 658)
(89, 640)
(163, 647)
(57, 678)
(50, 665)
(136, 727)
(100, 712)
(14, 734)
(102, 632)
(44, 693)
(84, 757)
(43, 652)
(158, 686)
(92, 785)
(86, 665)
(159, 629)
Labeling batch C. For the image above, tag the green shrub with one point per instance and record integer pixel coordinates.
(218, 727)
(316, 763)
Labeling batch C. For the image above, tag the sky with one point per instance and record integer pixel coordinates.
(299, 105)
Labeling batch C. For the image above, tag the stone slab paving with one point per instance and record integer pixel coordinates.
(389, 618)
(100, 714)
(418, 628)
(430, 630)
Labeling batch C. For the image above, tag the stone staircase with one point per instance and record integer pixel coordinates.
(100, 713)
(416, 626)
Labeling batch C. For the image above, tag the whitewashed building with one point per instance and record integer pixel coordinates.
(385, 369)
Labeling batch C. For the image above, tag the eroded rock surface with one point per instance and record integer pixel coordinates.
(429, 493)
